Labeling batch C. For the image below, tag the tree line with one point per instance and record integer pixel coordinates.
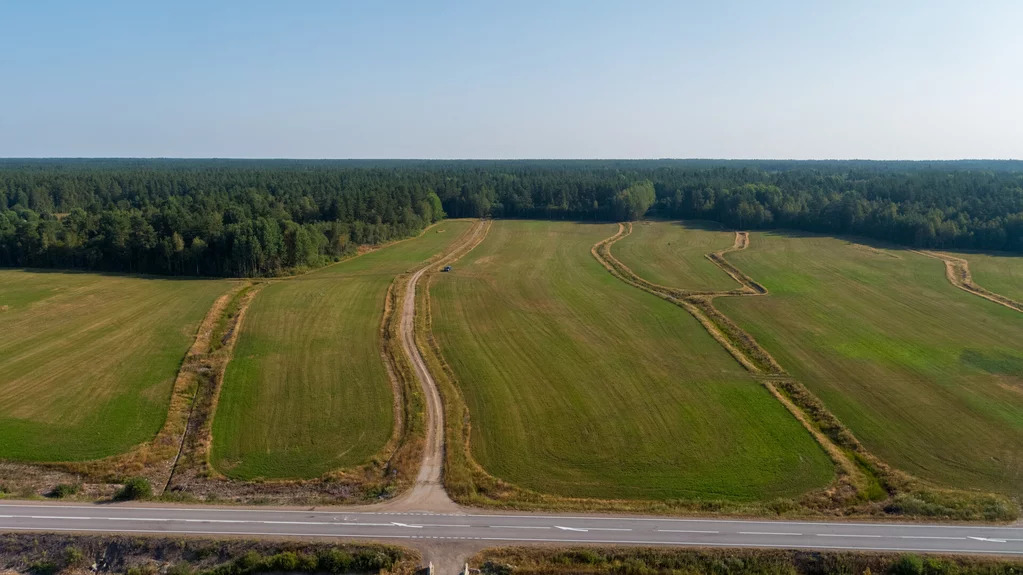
(259, 218)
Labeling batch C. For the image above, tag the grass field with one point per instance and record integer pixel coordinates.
(87, 361)
(1002, 274)
(672, 254)
(928, 376)
(307, 390)
(580, 385)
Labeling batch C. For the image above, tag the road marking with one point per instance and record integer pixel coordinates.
(569, 528)
(989, 540)
(396, 524)
(765, 533)
(436, 525)
(552, 540)
(685, 531)
(849, 535)
(328, 511)
(516, 527)
(709, 521)
(929, 537)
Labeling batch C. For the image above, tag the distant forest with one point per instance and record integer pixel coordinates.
(268, 217)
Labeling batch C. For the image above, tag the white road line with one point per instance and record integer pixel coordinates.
(748, 522)
(685, 531)
(765, 533)
(929, 537)
(431, 525)
(676, 543)
(328, 511)
(516, 527)
(849, 535)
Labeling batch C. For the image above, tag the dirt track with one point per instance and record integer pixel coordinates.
(957, 270)
(428, 492)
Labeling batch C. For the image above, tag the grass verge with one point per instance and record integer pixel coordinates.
(49, 554)
(658, 560)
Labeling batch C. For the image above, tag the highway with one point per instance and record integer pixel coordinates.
(411, 528)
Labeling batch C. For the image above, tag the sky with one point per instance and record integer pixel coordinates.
(892, 79)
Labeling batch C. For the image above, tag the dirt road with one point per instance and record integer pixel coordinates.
(428, 492)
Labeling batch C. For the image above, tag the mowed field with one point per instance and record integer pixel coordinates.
(307, 390)
(88, 361)
(580, 385)
(673, 254)
(928, 376)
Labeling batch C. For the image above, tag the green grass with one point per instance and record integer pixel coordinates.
(88, 361)
(928, 376)
(307, 389)
(1002, 274)
(672, 254)
(580, 385)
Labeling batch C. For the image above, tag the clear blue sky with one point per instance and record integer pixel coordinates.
(515, 79)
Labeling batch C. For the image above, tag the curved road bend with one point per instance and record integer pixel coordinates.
(510, 528)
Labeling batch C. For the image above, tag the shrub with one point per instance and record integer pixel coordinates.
(372, 561)
(73, 557)
(908, 565)
(135, 488)
(43, 567)
(286, 561)
(334, 561)
(63, 490)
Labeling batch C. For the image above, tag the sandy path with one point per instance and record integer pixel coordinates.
(428, 492)
(957, 270)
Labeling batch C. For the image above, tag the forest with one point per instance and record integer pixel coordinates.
(270, 217)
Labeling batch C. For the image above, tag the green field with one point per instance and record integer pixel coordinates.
(928, 376)
(88, 361)
(673, 254)
(1002, 274)
(581, 385)
(307, 389)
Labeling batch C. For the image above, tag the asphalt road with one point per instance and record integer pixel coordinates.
(510, 528)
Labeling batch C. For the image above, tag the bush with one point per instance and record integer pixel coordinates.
(73, 557)
(908, 565)
(43, 567)
(135, 488)
(334, 561)
(287, 561)
(63, 490)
